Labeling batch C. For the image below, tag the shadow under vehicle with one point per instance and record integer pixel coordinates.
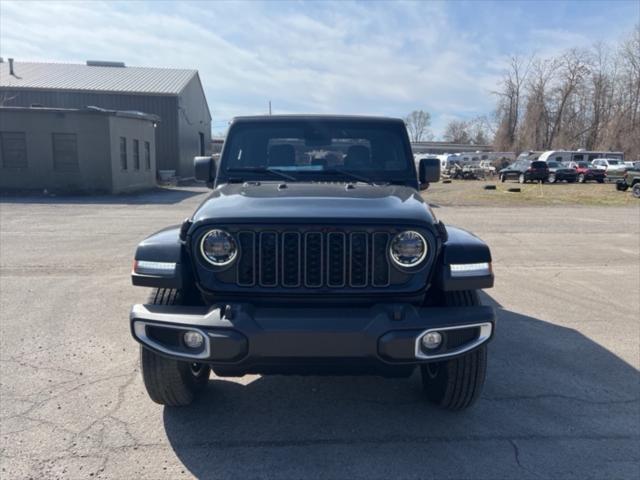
(556, 405)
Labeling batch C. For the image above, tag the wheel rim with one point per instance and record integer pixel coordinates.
(581, 178)
(552, 178)
(521, 178)
(195, 369)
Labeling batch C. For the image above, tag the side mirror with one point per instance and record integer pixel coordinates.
(205, 169)
(428, 171)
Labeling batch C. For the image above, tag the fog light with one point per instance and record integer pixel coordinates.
(193, 339)
(431, 340)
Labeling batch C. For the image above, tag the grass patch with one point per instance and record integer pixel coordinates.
(472, 192)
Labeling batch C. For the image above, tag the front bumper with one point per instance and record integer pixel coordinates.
(244, 338)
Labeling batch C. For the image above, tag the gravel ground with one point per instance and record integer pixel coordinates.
(562, 399)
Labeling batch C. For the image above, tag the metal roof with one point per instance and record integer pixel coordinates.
(77, 77)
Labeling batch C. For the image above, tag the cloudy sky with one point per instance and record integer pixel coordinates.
(365, 58)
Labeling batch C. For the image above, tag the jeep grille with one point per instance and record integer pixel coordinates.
(313, 259)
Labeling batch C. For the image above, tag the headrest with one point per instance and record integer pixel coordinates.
(358, 158)
(282, 156)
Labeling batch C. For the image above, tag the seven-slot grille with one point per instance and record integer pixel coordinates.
(313, 259)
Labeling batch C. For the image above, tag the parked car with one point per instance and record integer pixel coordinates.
(487, 167)
(526, 170)
(631, 180)
(587, 173)
(466, 172)
(559, 172)
(291, 267)
(612, 166)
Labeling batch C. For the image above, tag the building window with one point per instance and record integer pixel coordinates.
(65, 152)
(201, 137)
(123, 153)
(147, 155)
(136, 154)
(13, 148)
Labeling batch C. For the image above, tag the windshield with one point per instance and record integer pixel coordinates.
(304, 150)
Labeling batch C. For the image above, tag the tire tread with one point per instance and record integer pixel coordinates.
(459, 381)
(169, 382)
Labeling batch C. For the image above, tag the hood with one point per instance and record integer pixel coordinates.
(273, 201)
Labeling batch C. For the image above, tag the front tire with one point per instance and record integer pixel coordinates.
(622, 186)
(552, 178)
(636, 190)
(171, 382)
(581, 178)
(522, 178)
(456, 384)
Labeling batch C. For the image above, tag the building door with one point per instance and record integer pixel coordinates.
(201, 143)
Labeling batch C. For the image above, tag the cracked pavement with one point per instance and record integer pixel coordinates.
(562, 398)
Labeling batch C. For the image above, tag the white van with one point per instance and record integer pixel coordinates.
(578, 155)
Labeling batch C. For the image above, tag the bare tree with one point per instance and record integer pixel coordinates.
(457, 131)
(588, 98)
(534, 130)
(480, 130)
(476, 131)
(509, 104)
(573, 69)
(417, 123)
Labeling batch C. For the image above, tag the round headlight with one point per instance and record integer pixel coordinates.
(408, 249)
(218, 248)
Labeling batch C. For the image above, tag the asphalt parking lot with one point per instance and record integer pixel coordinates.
(562, 399)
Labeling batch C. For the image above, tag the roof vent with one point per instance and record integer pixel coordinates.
(103, 63)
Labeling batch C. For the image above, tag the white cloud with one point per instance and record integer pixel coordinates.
(373, 57)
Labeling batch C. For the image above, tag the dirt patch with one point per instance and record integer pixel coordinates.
(470, 192)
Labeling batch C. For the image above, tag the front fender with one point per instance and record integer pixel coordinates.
(164, 249)
(464, 248)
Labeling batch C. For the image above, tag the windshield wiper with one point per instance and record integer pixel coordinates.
(351, 175)
(272, 171)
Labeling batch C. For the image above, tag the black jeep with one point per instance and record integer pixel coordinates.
(314, 254)
(525, 171)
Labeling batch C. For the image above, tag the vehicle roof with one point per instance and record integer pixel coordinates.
(315, 117)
